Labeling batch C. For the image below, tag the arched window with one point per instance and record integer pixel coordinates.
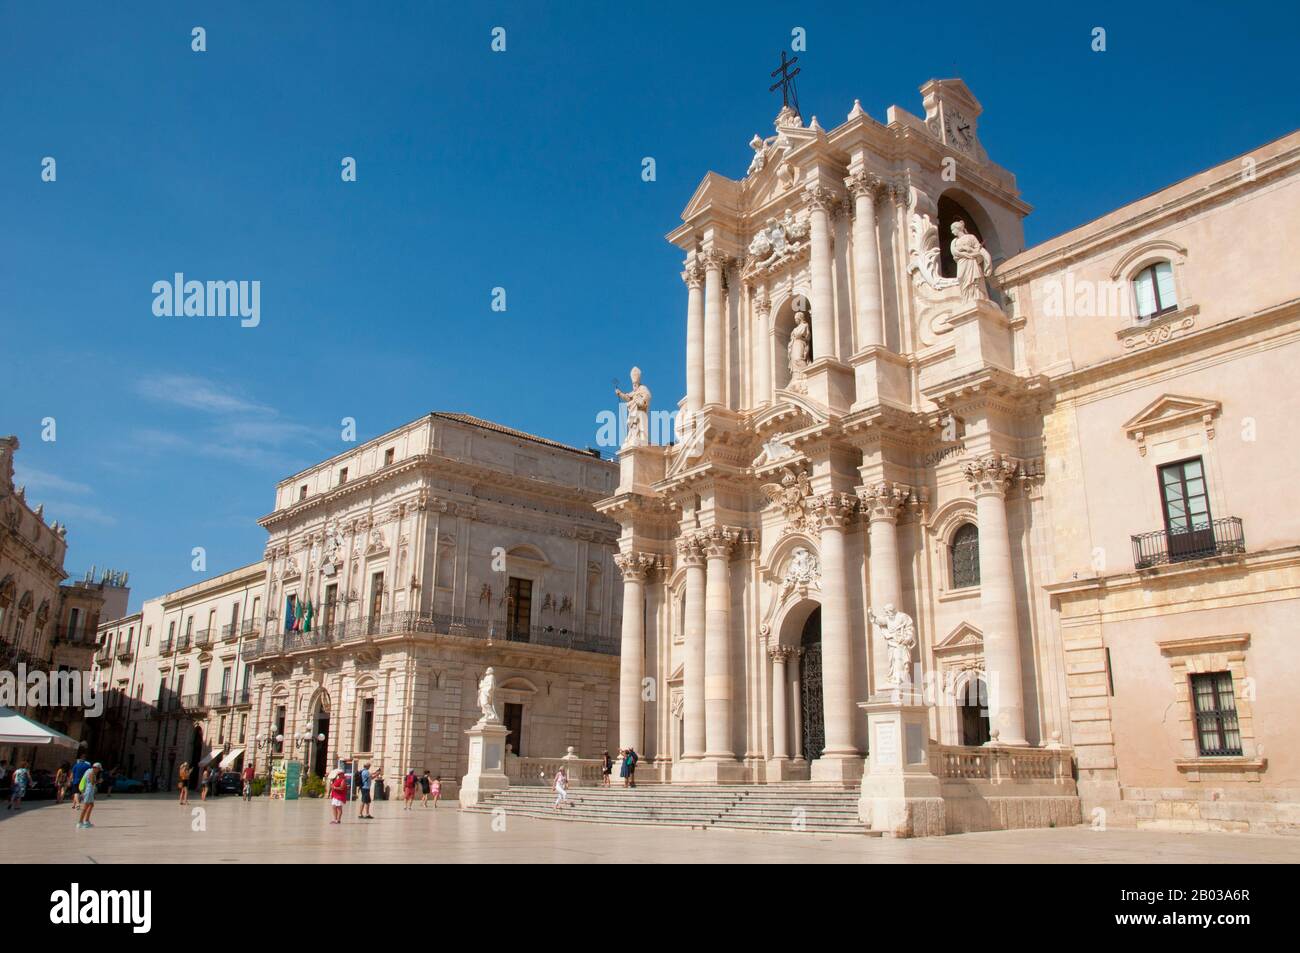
(964, 554)
(1153, 290)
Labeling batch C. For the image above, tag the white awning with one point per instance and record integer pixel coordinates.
(209, 757)
(229, 759)
(16, 729)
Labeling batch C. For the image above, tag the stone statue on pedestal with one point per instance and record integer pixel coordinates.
(974, 264)
(487, 690)
(800, 347)
(897, 631)
(638, 411)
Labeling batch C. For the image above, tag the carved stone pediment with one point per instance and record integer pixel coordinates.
(1171, 411)
(965, 639)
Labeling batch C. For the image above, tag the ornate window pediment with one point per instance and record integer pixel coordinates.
(964, 639)
(1170, 411)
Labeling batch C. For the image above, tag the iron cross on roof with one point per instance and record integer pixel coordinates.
(789, 97)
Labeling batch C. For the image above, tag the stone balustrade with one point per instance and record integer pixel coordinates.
(1000, 765)
(527, 770)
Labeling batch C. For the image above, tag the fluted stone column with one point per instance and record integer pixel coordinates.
(865, 189)
(780, 654)
(631, 663)
(833, 512)
(692, 558)
(762, 350)
(989, 478)
(718, 687)
(881, 503)
(715, 330)
(822, 201)
(694, 278)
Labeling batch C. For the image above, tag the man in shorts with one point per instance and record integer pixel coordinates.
(365, 793)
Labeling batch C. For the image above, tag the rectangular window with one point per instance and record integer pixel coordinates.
(389, 454)
(1217, 732)
(243, 726)
(279, 729)
(148, 633)
(367, 723)
(343, 475)
(203, 682)
(302, 492)
(331, 600)
(226, 684)
(1185, 500)
(376, 594)
(519, 609)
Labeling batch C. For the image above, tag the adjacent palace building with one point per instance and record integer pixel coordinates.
(1035, 499)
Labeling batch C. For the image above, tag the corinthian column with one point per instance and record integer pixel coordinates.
(762, 350)
(823, 299)
(714, 328)
(631, 662)
(780, 654)
(718, 543)
(989, 478)
(865, 188)
(692, 558)
(881, 503)
(694, 278)
(833, 512)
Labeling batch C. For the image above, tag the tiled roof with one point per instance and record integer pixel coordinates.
(509, 431)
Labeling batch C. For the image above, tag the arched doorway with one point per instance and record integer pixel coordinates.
(973, 711)
(813, 729)
(320, 737)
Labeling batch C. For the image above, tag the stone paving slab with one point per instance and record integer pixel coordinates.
(149, 829)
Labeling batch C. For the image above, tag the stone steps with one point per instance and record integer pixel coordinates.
(791, 808)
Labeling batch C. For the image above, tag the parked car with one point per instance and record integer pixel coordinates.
(123, 785)
(229, 783)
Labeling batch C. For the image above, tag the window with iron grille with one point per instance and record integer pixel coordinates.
(965, 556)
(1217, 732)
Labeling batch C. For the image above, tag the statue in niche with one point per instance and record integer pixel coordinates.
(896, 630)
(487, 692)
(974, 264)
(800, 346)
(638, 411)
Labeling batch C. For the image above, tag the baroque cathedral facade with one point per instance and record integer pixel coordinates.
(1027, 488)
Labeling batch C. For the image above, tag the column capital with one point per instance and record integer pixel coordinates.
(781, 653)
(689, 551)
(886, 500)
(636, 566)
(714, 259)
(832, 510)
(992, 474)
(693, 275)
(718, 541)
(866, 183)
(762, 304)
(821, 198)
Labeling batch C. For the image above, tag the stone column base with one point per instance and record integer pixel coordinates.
(487, 775)
(838, 770)
(902, 806)
(786, 769)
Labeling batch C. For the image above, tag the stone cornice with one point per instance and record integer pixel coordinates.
(1195, 570)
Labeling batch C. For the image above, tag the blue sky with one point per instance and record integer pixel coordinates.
(475, 170)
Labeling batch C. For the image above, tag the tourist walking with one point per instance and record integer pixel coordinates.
(87, 792)
(61, 782)
(248, 781)
(408, 790)
(606, 769)
(203, 784)
(435, 790)
(632, 759)
(338, 794)
(366, 781)
(79, 770)
(18, 787)
(561, 789)
(184, 774)
(425, 783)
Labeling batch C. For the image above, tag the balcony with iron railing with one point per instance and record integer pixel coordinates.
(368, 628)
(250, 627)
(228, 699)
(125, 652)
(194, 703)
(229, 632)
(1221, 537)
(166, 646)
(202, 638)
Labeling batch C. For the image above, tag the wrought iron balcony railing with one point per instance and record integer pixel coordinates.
(166, 647)
(368, 628)
(1218, 538)
(250, 627)
(202, 637)
(229, 632)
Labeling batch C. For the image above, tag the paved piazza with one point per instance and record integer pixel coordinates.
(156, 829)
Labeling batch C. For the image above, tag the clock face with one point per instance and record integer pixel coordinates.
(958, 130)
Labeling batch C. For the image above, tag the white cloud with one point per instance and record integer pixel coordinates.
(196, 393)
(42, 481)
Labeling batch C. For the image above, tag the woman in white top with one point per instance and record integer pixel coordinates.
(561, 789)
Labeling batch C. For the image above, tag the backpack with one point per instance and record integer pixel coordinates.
(82, 786)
